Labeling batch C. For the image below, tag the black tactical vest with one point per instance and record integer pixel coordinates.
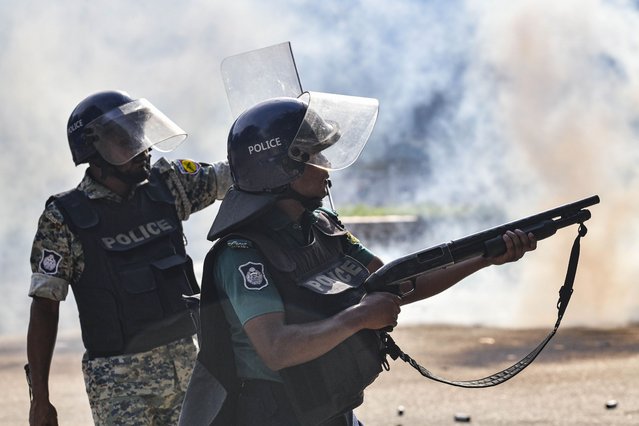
(135, 270)
(317, 281)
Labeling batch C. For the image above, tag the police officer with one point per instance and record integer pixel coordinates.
(287, 276)
(117, 240)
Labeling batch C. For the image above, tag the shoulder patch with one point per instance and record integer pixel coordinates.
(253, 275)
(352, 238)
(188, 167)
(239, 244)
(53, 214)
(49, 262)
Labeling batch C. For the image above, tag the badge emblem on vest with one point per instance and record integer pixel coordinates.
(253, 275)
(49, 262)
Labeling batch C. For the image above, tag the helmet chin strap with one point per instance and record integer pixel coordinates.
(307, 202)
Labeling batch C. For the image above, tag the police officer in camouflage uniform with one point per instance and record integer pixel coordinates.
(287, 277)
(117, 240)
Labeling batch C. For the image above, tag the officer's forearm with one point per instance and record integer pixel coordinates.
(439, 280)
(41, 337)
(282, 346)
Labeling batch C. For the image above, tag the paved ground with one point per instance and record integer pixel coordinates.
(569, 384)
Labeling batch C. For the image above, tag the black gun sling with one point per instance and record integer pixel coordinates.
(391, 348)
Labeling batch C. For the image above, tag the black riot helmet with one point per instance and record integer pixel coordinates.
(270, 144)
(118, 127)
(259, 142)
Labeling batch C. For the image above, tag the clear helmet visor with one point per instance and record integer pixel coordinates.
(252, 77)
(334, 130)
(128, 130)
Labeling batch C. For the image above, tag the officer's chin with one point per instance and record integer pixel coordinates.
(137, 176)
(313, 203)
(145, 174)
(145, 169)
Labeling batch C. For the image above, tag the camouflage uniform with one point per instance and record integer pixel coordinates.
(144, 388)
(121, 388)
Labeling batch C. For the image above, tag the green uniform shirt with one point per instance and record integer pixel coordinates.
(57, 258)
(240, 272)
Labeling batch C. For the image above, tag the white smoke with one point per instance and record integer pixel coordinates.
(539, 108)
(56, 53)
(567, 102)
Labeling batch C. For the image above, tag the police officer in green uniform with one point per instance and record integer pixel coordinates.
(287, 278)
(117, 240)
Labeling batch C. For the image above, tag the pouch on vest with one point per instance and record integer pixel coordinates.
(334, 383)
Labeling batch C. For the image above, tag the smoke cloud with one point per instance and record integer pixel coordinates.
(568, 105)
(518, 107)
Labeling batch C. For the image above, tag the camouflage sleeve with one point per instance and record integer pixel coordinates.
(195, 185)
(56, 257)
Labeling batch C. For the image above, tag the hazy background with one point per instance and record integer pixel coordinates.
(498, 107)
